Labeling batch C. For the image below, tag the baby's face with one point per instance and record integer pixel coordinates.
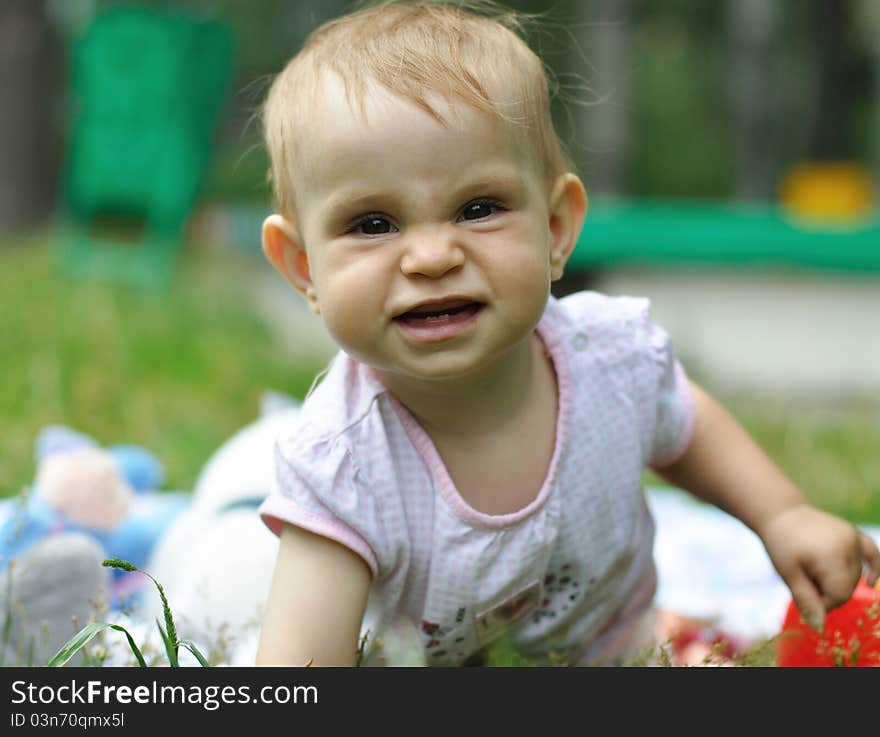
(428, 245)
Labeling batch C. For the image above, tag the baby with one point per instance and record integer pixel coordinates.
(471, 462)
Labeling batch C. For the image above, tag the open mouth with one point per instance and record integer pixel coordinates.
(441, 312)
(433, 322)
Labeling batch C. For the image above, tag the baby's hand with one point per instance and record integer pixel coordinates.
(820, 557)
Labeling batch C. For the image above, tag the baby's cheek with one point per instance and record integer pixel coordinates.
(351, 314)
(345, 321)
(528, 280)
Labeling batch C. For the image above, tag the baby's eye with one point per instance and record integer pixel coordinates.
(479, 209)
(372, 225)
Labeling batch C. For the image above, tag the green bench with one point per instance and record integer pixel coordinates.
(662, 233)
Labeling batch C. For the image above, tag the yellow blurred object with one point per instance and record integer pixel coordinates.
(832, 191)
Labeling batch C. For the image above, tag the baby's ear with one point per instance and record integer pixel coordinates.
(285, 250)
(568, 208)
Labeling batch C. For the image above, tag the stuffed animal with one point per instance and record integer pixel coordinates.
(110, 495)
(208, 548)
(215, 561)
(47, 594)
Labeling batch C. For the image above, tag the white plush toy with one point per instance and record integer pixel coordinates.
(215, 561)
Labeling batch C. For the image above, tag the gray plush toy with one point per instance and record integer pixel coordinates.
(48, 594)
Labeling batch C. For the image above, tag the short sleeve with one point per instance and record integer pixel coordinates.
(318, 487)
(674, 416)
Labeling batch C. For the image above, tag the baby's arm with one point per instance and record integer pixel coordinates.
(818, 555)
(316, 602)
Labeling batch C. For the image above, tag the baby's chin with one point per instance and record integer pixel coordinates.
(446, 366)
(429, 370)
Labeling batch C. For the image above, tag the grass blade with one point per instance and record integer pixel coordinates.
(131, 644)
(189, 645)
(84, 636)
(170, 647)
(169, 634)
(76, 643)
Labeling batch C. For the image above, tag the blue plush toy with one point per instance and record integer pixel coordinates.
(111, 494)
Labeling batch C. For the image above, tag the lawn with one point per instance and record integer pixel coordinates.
(831, 452)
(176, 373)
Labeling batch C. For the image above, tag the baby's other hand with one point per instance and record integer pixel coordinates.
(820, 557)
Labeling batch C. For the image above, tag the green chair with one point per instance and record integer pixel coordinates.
(147, 87)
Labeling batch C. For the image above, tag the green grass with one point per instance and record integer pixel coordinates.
(831, 453)
(176, 373)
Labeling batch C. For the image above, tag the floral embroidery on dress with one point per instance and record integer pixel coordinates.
(561, 590)
(493, 621)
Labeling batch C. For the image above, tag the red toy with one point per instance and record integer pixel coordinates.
(851, 636)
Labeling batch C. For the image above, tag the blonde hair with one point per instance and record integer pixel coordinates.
(473, 54)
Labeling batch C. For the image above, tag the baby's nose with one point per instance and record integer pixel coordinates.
(431, 253)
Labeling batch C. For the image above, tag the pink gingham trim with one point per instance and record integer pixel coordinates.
(275, 510)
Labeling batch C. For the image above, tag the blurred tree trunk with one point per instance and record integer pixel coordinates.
(28, 144)
(604, 124)
(830, 130)
(868, 22)
(752, 24)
